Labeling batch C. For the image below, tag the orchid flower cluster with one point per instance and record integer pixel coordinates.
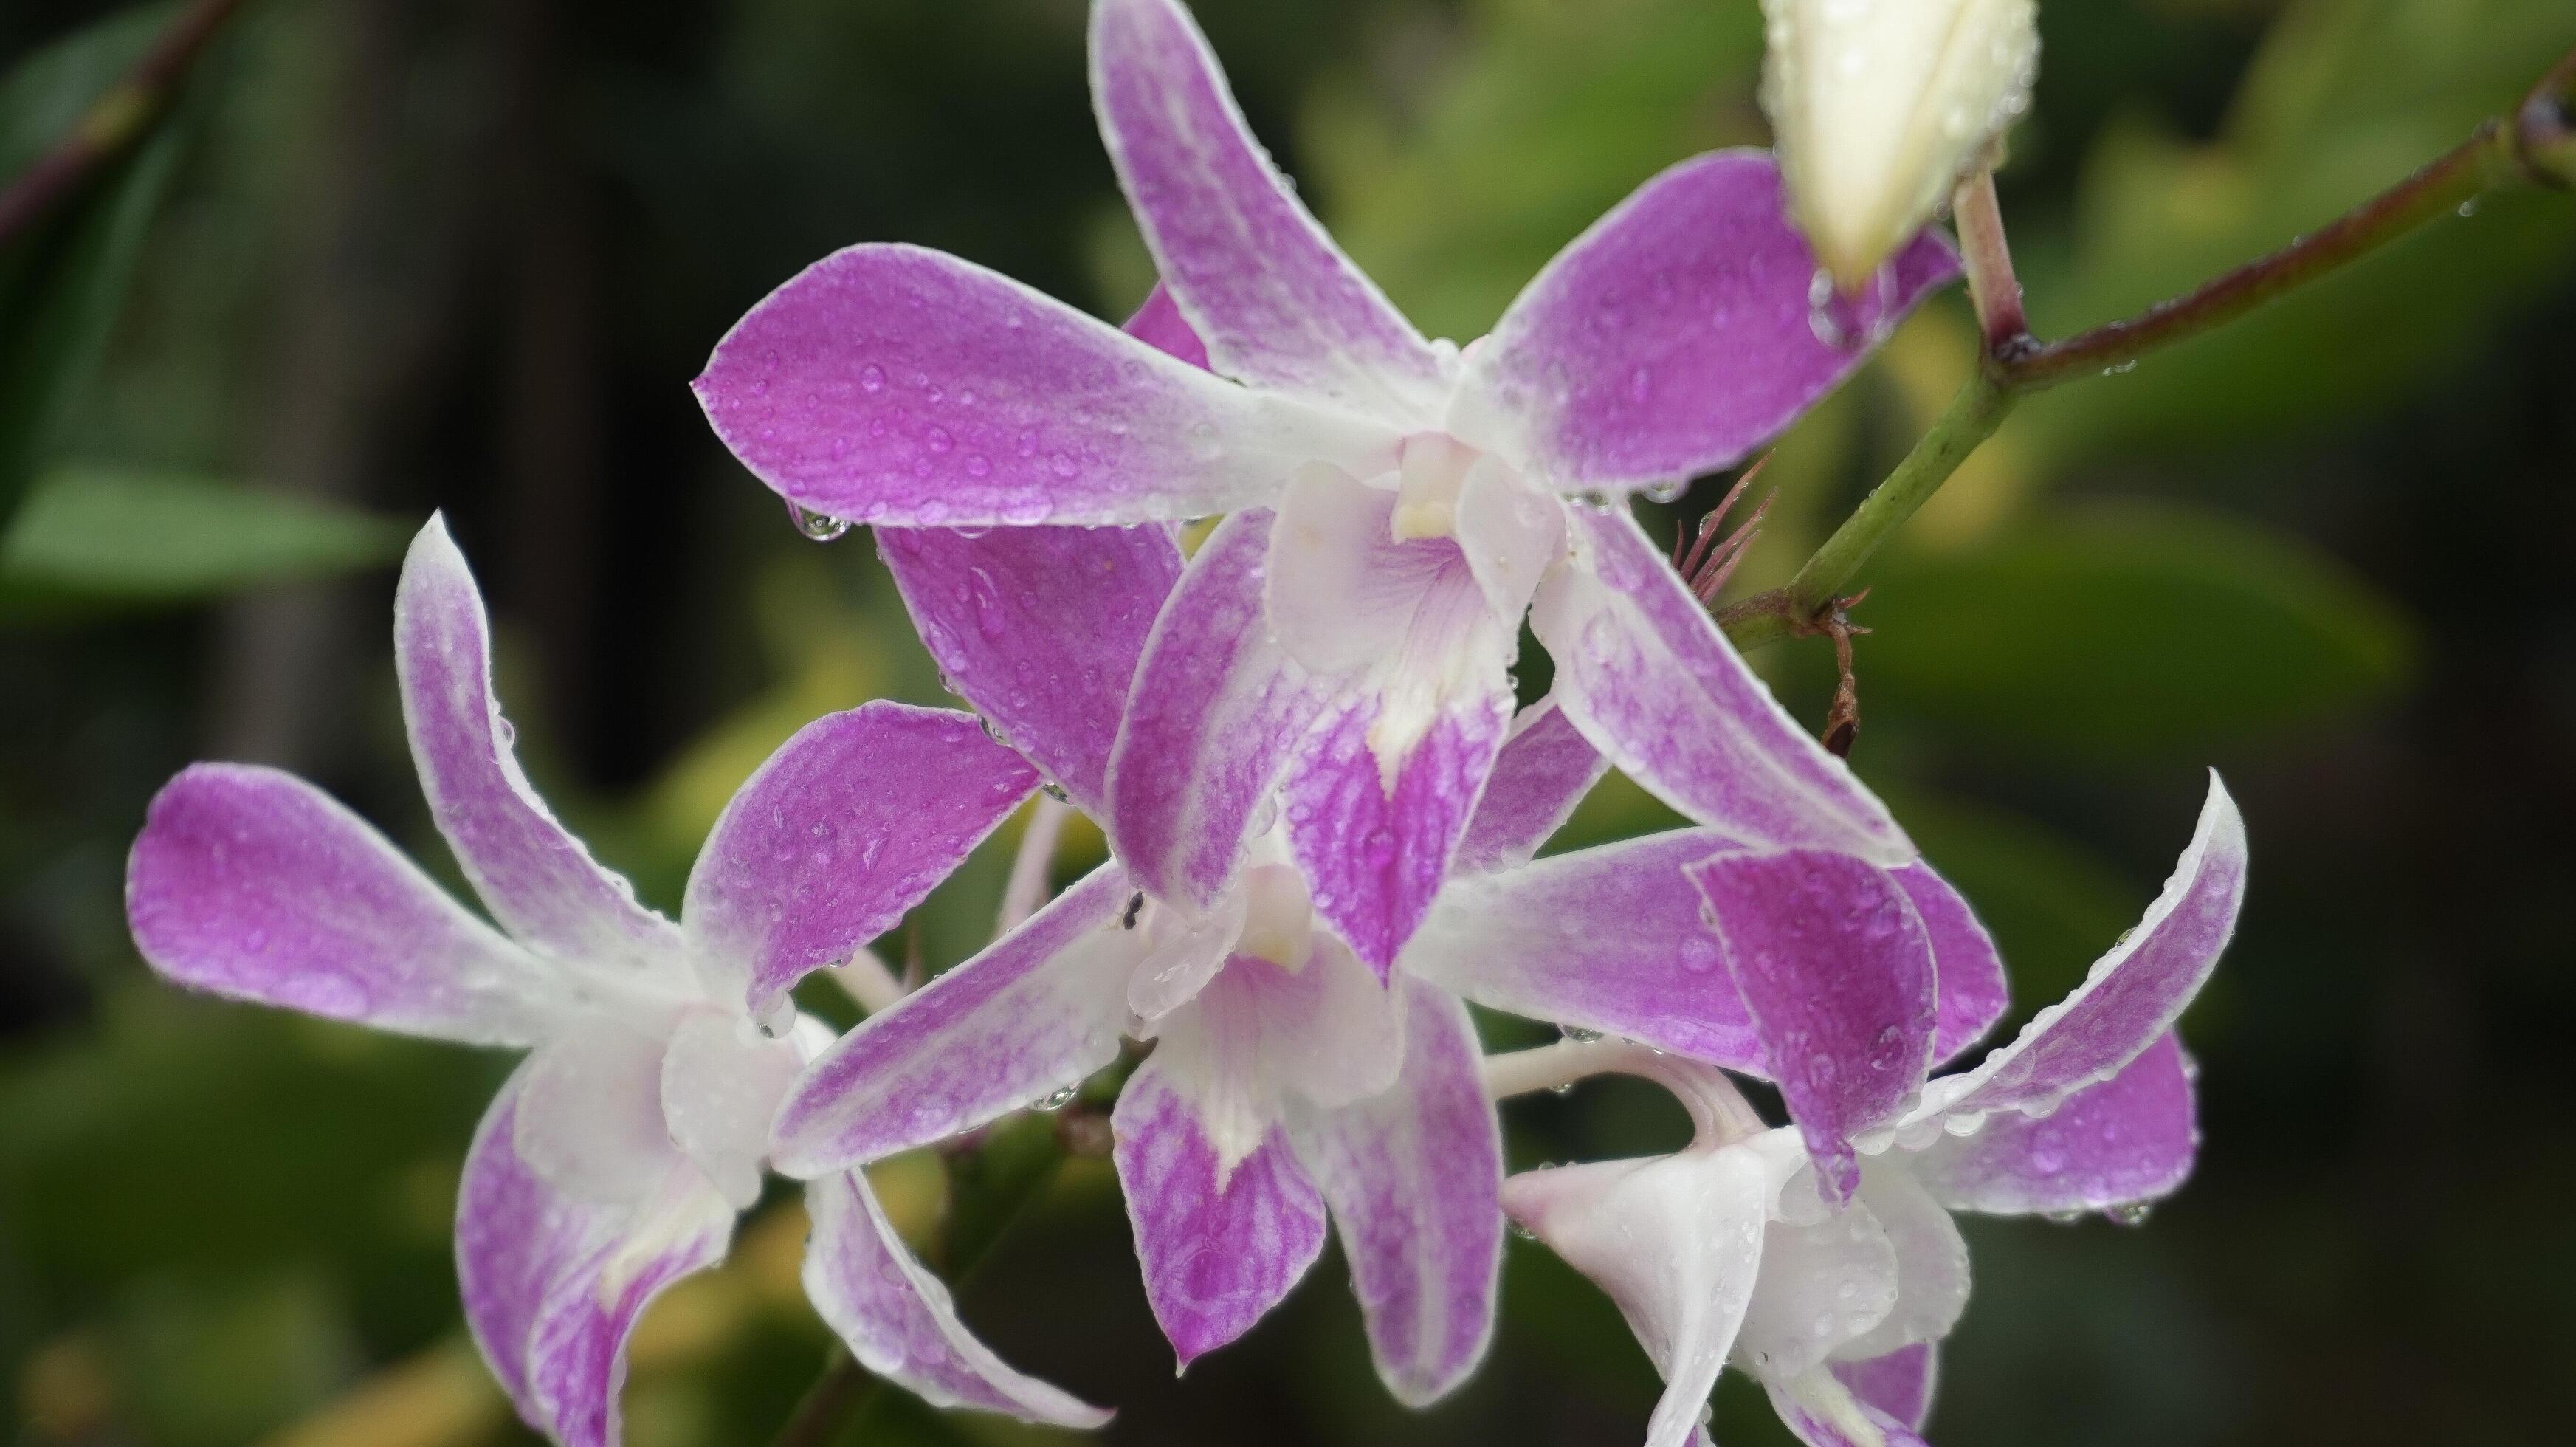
(1300, 740)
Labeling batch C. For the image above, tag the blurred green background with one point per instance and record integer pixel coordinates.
(385, 256)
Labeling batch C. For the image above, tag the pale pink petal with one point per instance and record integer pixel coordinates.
(590, 1110)
(1187, 952)
(1413, 1176)
(1277, 302)
(1642, 669)
(889, 384)
(2133, 994)
(1973, 989)
(1327, 1033)
(1375, 849)
(252, 884)
(1837, 973)
(1676, 1242)
(1608, 939)
(1040, 629)
(1220, 1242)
(1931, 1264)
(1898, 1384)
(1545, 768)
(2129, 1139)
(1675, 335)
(1823, 1283)
(1037, 1012)
(835, 837)
(720, 1087)
(534, 876)
(900, 1321)
(1510, 531)
(1215, 709)
(552, 1286)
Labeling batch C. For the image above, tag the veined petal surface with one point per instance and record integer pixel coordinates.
(250, 883)
(1543, 771)
(2129, 1139)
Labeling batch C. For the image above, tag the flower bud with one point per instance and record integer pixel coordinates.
(1880, 106)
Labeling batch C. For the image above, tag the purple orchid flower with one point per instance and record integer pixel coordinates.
(617, 1156)
(1733, 1250)
(1341, 645)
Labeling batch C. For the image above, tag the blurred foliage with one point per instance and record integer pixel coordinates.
(386, 257)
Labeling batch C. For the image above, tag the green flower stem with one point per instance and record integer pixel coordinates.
(2535, 147)
(116, 120)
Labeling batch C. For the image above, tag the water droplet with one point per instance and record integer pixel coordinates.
(821, 527)
(1580, 1036)
(2130, 1213)
(1057, 1099)
(2063, 1218)
(872, 378)
(1055, 791)
(1667, 492)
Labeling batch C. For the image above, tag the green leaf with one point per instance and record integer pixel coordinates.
(63, 281)
(2127, 631)
(92, 537)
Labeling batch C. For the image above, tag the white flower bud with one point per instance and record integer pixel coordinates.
(1881, 106)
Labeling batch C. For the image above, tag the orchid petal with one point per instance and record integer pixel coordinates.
(252, 884)
(1822, 1412)
(1186, 955)
(1675, 335)
(1040, 629)
(533, 875)
(1608, 939)
(1327, 1032)
(720, 1085)
(1898, 1384)
(1822, 1284)
(552, 1286)
(2133, 994)
(1214, 711)
(590, 1111)
(893, 385)
(1160, 325)
(1036, 1012)
(1511, 532)
(1676, 1242)
(2129, 1139)
(1376, 848)
(1642, 669)
(1970, 969)
(1837, 974)
(900, 1321)
(1931, 1262)
(1220, 1242)
(1545, 768)
(1413, 1176)
(1277, 302)
(832, 839)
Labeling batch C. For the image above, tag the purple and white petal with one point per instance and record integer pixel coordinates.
(252, 884)
(1676, 1241)
(1675, 335)
(534, 876)
(1642, 669)
(1822, 1412)
(889, 384)
(900, 1321)
(1159, 324)
(1898, 1384)
(1837, 973)
(1038, 1011)
(1413, 1176)
(832, 839)
(2129, 1139)
(1608, 939)
(1040, 629)
(1376, 842)
(1220, 1242)
(2134, 994)
(1545, 768)
(552, 1286)
(1327, 1033)
(1277, 302)
(1973, 989)
(1931, 1265)
(1511, 531)
(1215, 709)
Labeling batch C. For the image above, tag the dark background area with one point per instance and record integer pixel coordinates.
(466, 256)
